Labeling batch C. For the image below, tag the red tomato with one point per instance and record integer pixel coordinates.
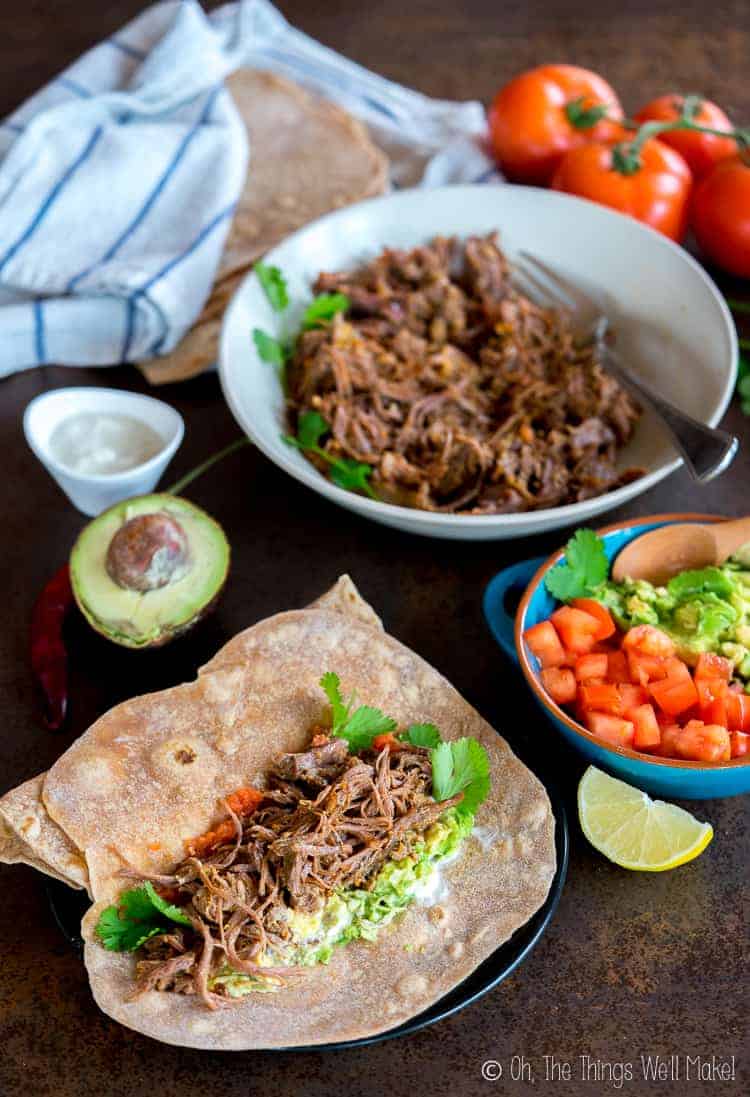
(713, 666)
(631, 696)
(670, 733)
(531, 129)
(649, 640)
(720, 215)
(601, 698)
(611, 728)
(646, 668)
(593, 665)
(602, 614)
(738, 711)
(577, 629)
(543, 641)
(700, 150)
(674, 697)
(560, 684)
(657, 193)
(617, 667)
(739, 744)
(709, 691)
(647, 731)
(676, 669)
(699, 742)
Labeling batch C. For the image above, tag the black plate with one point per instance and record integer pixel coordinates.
(68, 907)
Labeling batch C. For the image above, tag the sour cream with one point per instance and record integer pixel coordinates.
(99, 444)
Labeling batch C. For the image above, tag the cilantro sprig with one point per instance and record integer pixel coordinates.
(323, 308)
(269, 349)
(274, 286)
(345, 471)
(460, 765)
(586, 567)
(139, 913)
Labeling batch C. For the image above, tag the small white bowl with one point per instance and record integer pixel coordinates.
(672, 324)
(92, 494)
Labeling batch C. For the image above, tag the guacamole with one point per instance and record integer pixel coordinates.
(702, 611)
(354, 913)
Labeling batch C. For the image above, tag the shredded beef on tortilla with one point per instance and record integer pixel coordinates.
(328, 820)
(459, 392)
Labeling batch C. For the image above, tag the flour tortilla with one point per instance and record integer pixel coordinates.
(122, 788)
(28, 836)
(307, 157)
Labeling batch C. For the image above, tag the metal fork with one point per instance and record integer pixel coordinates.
(707, 451)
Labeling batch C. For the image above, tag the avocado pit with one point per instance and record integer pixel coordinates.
(148, 552)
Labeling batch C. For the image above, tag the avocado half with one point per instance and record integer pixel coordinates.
(148, 568)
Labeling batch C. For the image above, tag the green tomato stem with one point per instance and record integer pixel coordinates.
(188, 478)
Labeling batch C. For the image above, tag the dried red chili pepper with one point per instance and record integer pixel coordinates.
(49, 660)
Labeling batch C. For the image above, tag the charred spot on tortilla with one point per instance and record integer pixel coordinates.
(185, 756)
(344, 837)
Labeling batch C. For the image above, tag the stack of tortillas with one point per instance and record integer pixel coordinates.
(307, 157)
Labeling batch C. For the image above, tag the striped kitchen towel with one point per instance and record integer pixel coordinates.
(119, 178)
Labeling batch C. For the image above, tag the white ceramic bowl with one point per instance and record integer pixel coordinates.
(91, 494)
(673, 327)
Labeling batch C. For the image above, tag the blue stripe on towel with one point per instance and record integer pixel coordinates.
(147, 205)
(131, 51)
(39, 340)
(74, 86)
(194, 244)
(51, 198)
(129, 328)
(14, 127)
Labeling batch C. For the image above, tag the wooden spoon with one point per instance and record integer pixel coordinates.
(661, 553)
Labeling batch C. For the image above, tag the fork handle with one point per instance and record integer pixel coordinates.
(707, 451)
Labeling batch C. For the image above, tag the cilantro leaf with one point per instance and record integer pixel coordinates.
(125, 926)
(345, 472)
(586, 567)
(274, 286)
(360, 727)
(461, 766)
(323, 309)
(423, 735)
(352, 475)
(268, 348)
(163, 907)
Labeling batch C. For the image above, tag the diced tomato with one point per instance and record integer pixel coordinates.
(739, 744)
(647, 732)
(713, 666)
(578, 630)
(543, 641)
(601, 698)
(738, 711)
(560, 684)
(646, 668)
(244, 801)
(600, 612)
(388, 739)
(611, 728)
(674, 697)
(669, 735)
(649, 640)
(699, 742)
(676, 669)
(710, 690)
(617, 667)
(591, 666)
(631, 696)
(715, 712)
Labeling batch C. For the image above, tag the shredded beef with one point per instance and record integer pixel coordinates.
(329, 819)
(459, 392)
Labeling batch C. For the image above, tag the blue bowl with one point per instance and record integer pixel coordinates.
(663, 776)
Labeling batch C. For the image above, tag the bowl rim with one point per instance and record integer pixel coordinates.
(426, 521)
(560, 714)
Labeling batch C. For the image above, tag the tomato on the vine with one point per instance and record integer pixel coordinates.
(654, 190)
(701, 151)
(720, 215)
(541, 114)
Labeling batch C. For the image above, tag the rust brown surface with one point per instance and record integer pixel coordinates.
(631, 964)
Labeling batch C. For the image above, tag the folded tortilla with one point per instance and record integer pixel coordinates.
(151, 773)
(307, 157)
